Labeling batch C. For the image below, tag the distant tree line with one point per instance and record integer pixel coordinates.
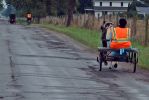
(146, 1)
(1, 4)
(42, 8)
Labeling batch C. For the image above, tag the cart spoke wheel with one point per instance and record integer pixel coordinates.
(100, 62)
(135, 62)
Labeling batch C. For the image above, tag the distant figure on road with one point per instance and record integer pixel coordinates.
(29, 17)
(12, 18)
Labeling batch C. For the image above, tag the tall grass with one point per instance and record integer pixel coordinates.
(143, 54)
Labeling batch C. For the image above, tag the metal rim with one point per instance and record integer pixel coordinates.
(135, 62)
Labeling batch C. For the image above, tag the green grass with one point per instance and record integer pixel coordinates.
(91, 39)
(21, 21)
(143, 55)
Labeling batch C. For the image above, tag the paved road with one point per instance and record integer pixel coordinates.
(39, 65)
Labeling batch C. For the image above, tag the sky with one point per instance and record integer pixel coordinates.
(4, 3)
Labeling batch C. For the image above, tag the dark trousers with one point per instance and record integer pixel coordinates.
(104, 43)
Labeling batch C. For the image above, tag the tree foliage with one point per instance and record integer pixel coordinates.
(71, 9)
(41, 8)
(1, 4)
(132, 7)
(84, 4)
(52, 7)
(146, 1)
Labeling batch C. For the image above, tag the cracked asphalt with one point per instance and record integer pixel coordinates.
(37, 64)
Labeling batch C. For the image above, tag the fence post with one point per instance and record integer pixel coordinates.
(98, 17)
(93, 21)
(146, 30)
(66, 17)
(78, 19)
(84, 19)
(117, 19)
(104, 16)
(110, 17)
(135, 25)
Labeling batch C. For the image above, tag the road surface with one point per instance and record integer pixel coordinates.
(36, 64)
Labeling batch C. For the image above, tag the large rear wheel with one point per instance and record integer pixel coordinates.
(100, 61)
(135, 61)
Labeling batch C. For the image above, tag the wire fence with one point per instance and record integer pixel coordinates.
(137, 25)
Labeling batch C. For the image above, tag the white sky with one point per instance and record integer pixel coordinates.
(4, 4)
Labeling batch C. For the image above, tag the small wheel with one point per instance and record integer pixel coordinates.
(135, 62)
(115, 65)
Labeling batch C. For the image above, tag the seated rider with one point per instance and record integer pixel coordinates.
(121, 36)
(29, 16)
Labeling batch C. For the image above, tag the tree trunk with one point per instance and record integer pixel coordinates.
(104, 16)
(117, 19)
(48, 6)
(134, 26)
(71, 8)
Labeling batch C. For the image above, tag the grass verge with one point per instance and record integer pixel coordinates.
(91, 39)
(21, 21)
(143, 55)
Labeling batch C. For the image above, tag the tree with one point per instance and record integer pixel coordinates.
(62, 7)
(1, 4)
(53, 7)
(56, 7)
(39, 10)
(132, 7)
(146, 1)
(71, 9)
(37, 7)
(84, 4)
(48, 6)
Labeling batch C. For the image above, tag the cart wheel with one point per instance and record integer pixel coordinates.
(131, 57)
(135, 62)
(100, 62)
